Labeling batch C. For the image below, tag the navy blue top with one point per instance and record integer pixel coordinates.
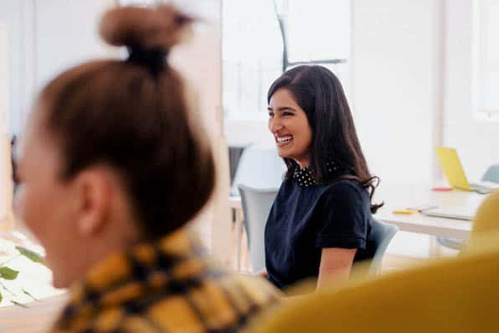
(305, 219)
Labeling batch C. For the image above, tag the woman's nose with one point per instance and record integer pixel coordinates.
(275, 125)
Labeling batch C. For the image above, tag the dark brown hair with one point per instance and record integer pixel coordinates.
(118, 113)
(334, 138)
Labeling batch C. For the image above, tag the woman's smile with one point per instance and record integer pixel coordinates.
(283, 141)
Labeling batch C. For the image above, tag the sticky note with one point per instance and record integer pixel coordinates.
(405, 211)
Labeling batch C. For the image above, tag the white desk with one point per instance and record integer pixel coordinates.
(403, 196)
(428, 225)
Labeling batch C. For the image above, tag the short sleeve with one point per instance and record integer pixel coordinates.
(344, 216)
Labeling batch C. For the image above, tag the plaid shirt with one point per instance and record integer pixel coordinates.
(168, 286)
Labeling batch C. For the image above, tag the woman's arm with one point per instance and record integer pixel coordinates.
(336, 264)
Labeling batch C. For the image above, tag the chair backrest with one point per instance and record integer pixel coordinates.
(259, 168)
(492, 174)
(235, 153)
(256, 207)
(379, 239)
(485, 222)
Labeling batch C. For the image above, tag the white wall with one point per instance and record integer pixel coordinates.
(412, 88)
(4, 87)
(477, 142)
(200, 61)
(16, 17)
(45, 37)
(395, 85)
(66, 33)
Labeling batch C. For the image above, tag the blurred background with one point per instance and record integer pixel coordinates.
(418, 74)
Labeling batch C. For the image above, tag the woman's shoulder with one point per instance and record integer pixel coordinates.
(337, 186)
(345, 188)
(341, 185)
(346, 194)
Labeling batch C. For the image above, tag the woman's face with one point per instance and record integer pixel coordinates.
(44, 202)
(289, 125)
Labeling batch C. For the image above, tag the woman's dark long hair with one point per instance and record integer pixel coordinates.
(334, 138)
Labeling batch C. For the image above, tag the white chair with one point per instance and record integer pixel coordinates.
(260, 168)
(256, 207)
(379, 239)
(492, 174)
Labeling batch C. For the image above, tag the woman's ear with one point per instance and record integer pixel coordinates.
(93, 195)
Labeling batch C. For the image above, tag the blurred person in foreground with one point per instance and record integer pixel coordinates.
(113, 166)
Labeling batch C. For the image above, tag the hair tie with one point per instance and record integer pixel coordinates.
(153, 59)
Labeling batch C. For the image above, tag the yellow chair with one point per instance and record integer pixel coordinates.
(485, 224)
(451, 295)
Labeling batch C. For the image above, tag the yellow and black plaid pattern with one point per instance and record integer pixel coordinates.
(169, 286)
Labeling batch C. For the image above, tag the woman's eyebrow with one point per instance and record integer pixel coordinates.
(283, 108)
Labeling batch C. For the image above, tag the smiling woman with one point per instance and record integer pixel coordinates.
(321, 217)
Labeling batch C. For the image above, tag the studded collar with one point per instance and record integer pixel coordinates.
(306, 176)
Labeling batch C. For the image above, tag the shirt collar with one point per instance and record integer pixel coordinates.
(306, 176)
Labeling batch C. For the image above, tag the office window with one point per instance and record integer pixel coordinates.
(318, 31)
(255, 35)
(251, 53)
(486, 59)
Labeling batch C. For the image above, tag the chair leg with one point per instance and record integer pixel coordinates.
(452, 243)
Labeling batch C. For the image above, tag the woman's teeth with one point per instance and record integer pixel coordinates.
(284, 139)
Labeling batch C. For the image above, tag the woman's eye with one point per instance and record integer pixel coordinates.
(271, 114)
(288, 114)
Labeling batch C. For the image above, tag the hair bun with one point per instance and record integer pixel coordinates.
(159, 27)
